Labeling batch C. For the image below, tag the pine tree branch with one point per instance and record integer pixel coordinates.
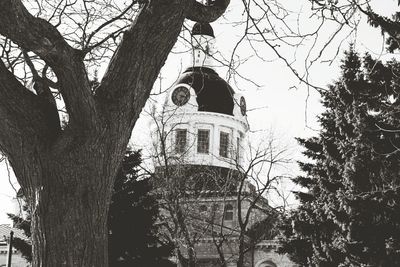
(392, 28)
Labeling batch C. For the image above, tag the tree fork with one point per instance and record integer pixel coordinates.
(67, 175)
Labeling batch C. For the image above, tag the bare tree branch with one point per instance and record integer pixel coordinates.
(37, 35)
(22, 115)
(148, 42)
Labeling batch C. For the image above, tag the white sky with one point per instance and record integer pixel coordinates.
(281, 104)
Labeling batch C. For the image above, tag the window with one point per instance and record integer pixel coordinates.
(180, 140)
(266, 264)
(214, 208)
(228, 212)
(238, 147)
(203, 141)
(203, 208)
(223, 144)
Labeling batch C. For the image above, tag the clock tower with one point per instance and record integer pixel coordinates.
(207, 120)
(199, 178)
(201, 146)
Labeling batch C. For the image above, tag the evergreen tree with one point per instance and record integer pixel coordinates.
(350, 213)
(390, 26)
(133, 239)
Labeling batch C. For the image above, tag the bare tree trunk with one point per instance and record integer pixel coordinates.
(191, 261)
(73, 235)
(240, 260)
(218, 245)
(69, 193)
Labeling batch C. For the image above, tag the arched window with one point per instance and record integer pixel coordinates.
(266, 263)
(228, 212)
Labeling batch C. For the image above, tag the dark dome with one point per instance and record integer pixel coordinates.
(214, 94)
(202, 29)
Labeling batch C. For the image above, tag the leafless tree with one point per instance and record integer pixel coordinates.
(176, 190)
(201, 202)
(257, 181)
(67, 173)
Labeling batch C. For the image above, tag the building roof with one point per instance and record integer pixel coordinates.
(214, 94)
(5, 230)
(202, 29)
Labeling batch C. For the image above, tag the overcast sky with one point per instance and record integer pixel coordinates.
(281, 104)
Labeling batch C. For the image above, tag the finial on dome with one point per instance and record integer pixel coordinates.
(202, 28)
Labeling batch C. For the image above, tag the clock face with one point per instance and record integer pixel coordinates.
(243, 106)
(180, 96)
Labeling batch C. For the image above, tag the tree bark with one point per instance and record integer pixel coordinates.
(73, 234)
(69, 193)
(241, 249)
